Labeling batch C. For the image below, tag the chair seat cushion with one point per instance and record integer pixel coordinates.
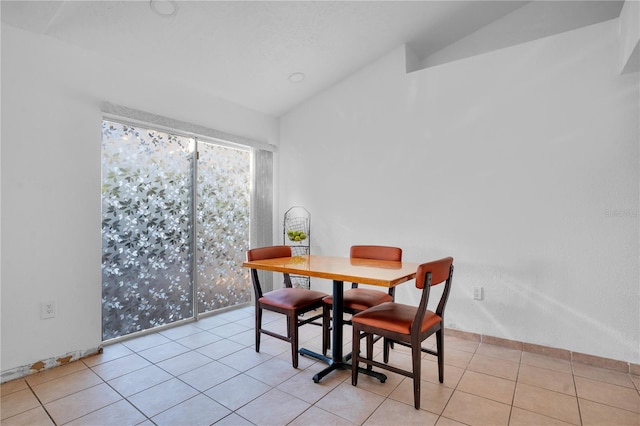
(359, 299)
(395, 317)
(292, 298)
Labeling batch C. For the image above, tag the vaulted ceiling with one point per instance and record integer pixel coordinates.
(245, 52)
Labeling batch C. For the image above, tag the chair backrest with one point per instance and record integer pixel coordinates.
(271, 252)
(439, 270)
(430, 274)
(378, 253)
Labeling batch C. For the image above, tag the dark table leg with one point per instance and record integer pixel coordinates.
(337, 362)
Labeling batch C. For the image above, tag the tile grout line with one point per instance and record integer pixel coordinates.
(40, 402)
(122, 396)
(575, 388)
(515, 389)
(457, 384)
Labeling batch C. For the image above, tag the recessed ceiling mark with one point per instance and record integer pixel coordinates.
(296, 77)
(165, 8)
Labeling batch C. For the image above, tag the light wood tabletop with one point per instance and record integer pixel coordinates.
(385, 273)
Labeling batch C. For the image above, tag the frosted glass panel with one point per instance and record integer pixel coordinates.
(223, 212)
(146, 229)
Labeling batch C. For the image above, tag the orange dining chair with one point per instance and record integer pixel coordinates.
(357, 299)
(406, 325)
(290, 301)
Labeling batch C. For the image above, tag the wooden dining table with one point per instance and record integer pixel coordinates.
(383, 273)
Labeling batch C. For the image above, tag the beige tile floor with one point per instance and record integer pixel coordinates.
(208, 372)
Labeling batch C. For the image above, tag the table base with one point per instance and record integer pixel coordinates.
(333, 365)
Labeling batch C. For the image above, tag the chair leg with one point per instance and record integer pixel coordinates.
(416, 355)
(293, 335)
(385, 345)
(369, 350)
(326, 321)
(289, 326)
(258, 326)
(440, 349)
(355, 353)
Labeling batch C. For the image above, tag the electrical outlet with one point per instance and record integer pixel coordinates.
(47, 310)
(477, 293)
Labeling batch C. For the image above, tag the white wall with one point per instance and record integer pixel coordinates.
(51, 243)
(630, 36)
(521, 163)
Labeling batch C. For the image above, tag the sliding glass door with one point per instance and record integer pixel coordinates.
(223, 219)
(160, 247)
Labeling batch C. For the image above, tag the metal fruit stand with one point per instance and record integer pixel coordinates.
(296, 234)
